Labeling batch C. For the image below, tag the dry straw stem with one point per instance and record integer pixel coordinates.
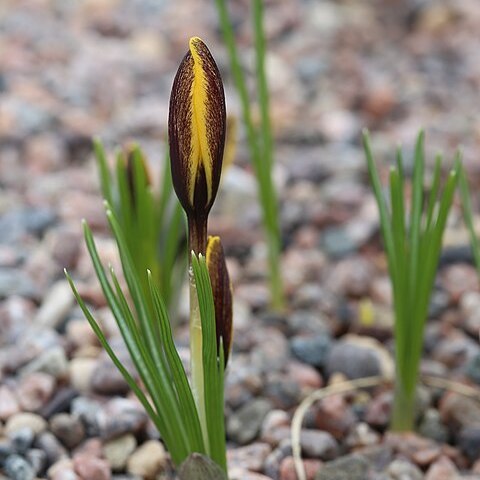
(351, 385)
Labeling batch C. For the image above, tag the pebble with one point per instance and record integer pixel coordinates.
(354, 361)
(432, 427)
(118, 450)
(402, 470)
(362, 436)
(37, 459)
(275, 421)
(106, 379)
(25, 420)
(288, 472)
(251, 457)
(318, 444)
(312, 350)
(351, 277)
(35, 390)
(8, 403)
(54, 450)
(63, 470)
(81, 372)
(244, 425)
(68, 429)
(469, 442)
(148, 460)
(55, 306)
(22, 440)
(349, 467)
(119, 416)
(91, 468)
(459, 411)
(17, 468)
(442, 469)
(335, 416)
(472, 369)
(87, 411)
(52, 362)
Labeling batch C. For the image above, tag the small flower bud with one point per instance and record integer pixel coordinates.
(222, 293)
(196, 129)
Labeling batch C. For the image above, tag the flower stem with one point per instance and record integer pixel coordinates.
(197, 241)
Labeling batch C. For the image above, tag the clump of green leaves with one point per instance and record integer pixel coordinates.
(152, 221)
(260, 140)
(413, 243)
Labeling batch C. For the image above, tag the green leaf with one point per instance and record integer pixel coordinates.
(213, 365)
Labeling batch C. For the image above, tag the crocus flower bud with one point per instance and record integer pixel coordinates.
(196, 130)
(222, 293)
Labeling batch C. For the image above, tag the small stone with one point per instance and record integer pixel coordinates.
(91, 468)
(244, 425)
(459, 411)
(62, 470)
(35, 390)
(312, 350)
(68, 429)
(288, 472)
(107, 380)
(401, 469)
(80, 333)
(335, 416)
(473, 369)
(87, 410)
(307, 377)
(362, 436)
(118, 450)
(8, 403)
(37, 459)
(119, 416)
(469, 442)
(17, 468)
(29, 420)
(354, 361)
(318, 444)
(432, 427)
(47, 442)
(275, 422)
(52, 362)
(148, 460)
(81, 372)
(379, 410)
(22, 440)
(350, 467)
(55, 306)
(442, 469)
(282, 392)
(351, 277)
(252, 457)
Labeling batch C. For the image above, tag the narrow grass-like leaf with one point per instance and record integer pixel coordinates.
(105, 177)
(212, 364)
(468, 216)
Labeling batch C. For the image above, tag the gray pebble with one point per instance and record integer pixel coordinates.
(68, 429)
(244, 425)
(318, 444)
(350, 467)
(312, 350)
(354, 361)
(17, 468)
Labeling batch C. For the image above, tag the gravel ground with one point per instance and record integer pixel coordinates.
(71, 70)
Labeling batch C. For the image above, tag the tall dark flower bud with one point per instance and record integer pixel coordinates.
(196, 129)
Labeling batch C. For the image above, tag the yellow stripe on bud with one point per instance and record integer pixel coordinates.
(222, 293)
(196, 128)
